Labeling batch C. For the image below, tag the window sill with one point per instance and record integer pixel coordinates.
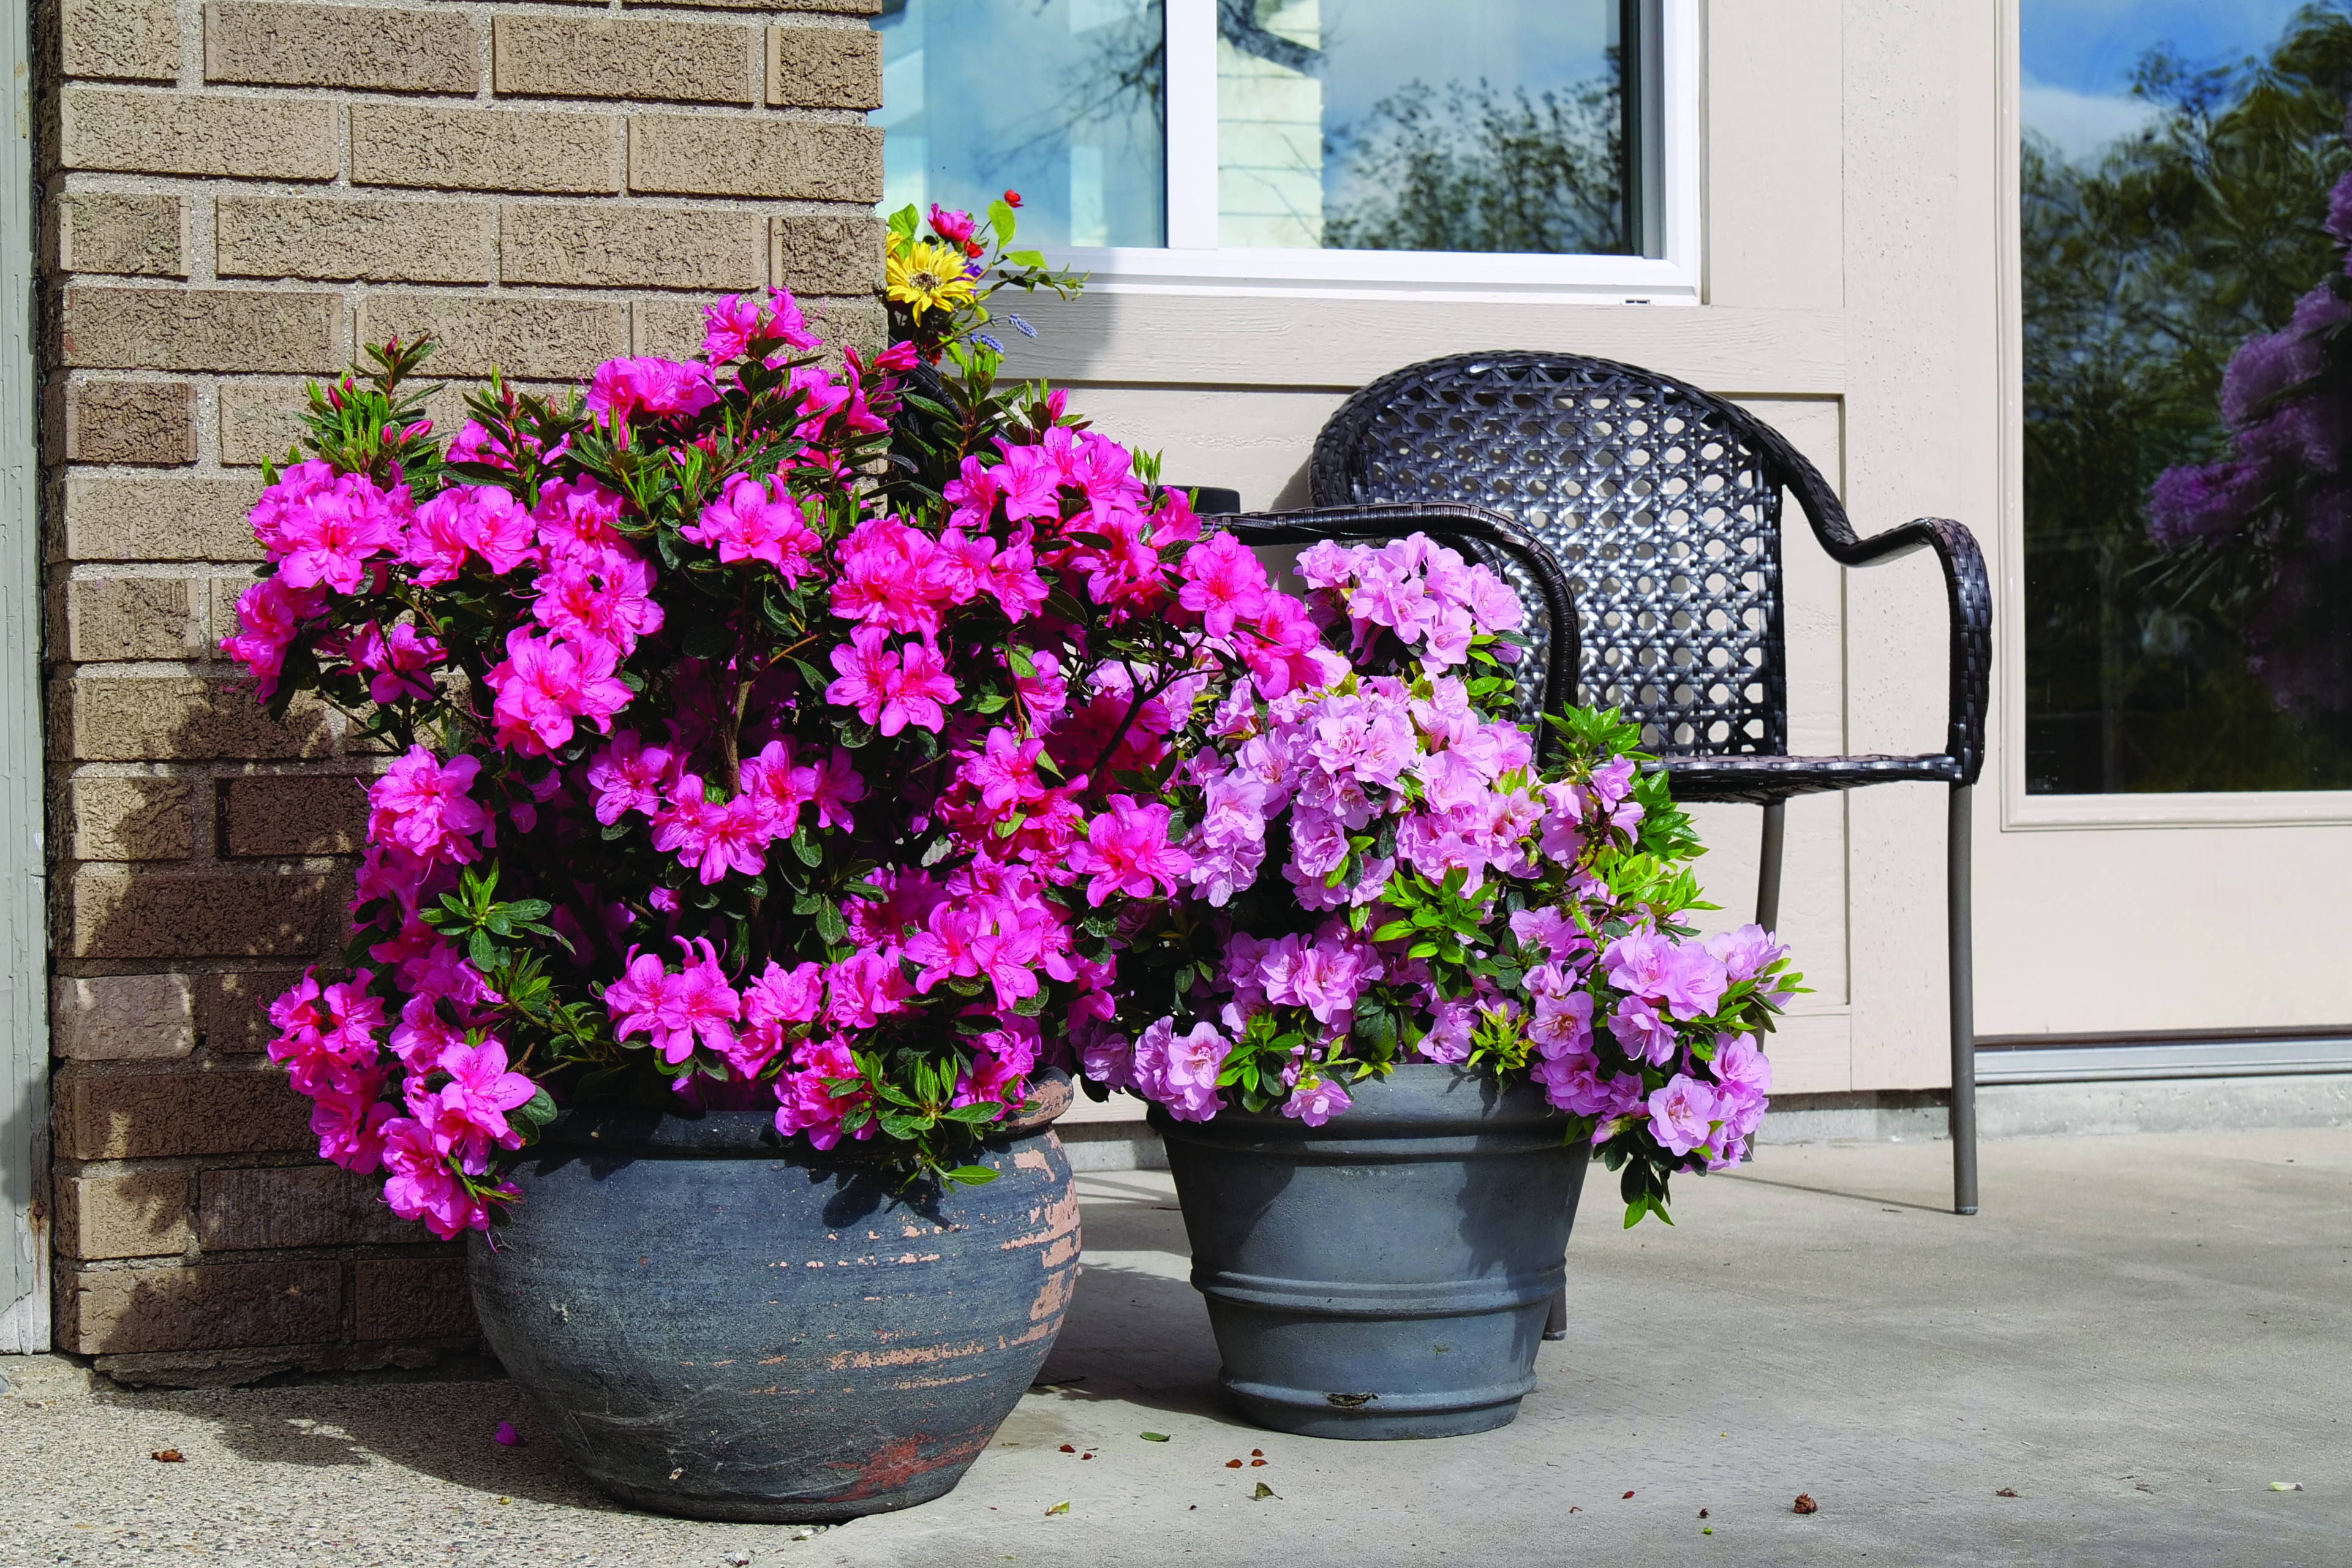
(1384, 275)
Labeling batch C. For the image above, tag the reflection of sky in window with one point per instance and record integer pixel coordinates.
(979, 96)
(2078, 55)
(1371, 48)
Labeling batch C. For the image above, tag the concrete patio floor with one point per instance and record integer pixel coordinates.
(2137, 1337)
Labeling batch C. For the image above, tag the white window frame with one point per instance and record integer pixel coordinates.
(1192, 263)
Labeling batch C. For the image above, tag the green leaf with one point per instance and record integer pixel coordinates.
(829, 923)
(974, 1176)
(1153, 1437)
(1000, 216)
(984, 1113)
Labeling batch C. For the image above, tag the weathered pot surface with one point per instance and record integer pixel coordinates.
(715, 1323)
(1384, 1274)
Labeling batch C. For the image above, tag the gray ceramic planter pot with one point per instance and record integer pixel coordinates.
(1384, 1274)
(714, 1323)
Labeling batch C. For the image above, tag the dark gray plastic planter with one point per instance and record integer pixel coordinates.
(1385, 1275)
(713, 1324)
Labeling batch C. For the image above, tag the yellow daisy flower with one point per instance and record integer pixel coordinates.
(927, 278)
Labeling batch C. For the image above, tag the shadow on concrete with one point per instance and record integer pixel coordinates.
(445, 1430)
(1878, 1199)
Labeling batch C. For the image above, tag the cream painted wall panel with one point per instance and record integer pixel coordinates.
(1255, 442)
(1345, 341)
(2164, 930)
(1919, 105)
(1775, 186)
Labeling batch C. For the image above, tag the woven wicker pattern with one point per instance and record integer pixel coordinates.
(1663, 504)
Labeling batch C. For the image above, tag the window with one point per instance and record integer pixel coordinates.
(2188, 395)
(1540, 143)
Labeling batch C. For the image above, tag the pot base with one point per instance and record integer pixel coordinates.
(1387, 1275)
(768, 1510)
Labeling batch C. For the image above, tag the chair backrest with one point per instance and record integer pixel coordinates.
(1660, 502)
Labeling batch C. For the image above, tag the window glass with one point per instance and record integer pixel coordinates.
(2187, 377)
(1059, 100)
(1396, 125)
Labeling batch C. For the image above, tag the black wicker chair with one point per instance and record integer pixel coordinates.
(1663, 505)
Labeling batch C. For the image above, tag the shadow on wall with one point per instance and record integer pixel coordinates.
(1133, 366)
(213, 1245)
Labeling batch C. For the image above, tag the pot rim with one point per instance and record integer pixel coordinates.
(1415, 1098)
(643, 1132)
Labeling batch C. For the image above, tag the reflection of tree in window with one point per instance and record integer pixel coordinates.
(2173, 659)
(1482, 169)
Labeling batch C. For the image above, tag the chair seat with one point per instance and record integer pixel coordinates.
(1761, 781)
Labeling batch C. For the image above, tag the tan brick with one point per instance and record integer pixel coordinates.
(121, 1017)
(142, 422)
(119, 914)
(858, 324)
(258, 419)
(673, 328)
(202, 329)
(825, 254)
(410, 242)
(141, 718)
(125, 40)
(340, 46)
(824, 68)
(231, 1010)
(127, 819)
(293, 814)
(574, 57)
(197, 133)
(152, 1115)
(412, 1299)
(296, 1206)
(517, 335)
(207, 1307)
(134, 617)
(145, 1215)
(484, 149)
(743, 156)
(609, 246)
(102, 231)
(160, 517)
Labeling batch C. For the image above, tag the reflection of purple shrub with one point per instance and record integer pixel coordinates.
(2280, 500)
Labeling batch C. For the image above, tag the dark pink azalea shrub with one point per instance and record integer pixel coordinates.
(733, 768)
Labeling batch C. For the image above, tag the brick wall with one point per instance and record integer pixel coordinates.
(236, 193)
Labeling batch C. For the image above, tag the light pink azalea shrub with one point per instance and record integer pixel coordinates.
(1381, 870)
(735, 768)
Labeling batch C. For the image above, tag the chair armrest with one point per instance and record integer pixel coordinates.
(1444, 520)
(1967, 590)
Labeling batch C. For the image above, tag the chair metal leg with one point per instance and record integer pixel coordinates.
(1767, 866)
(1960, 929)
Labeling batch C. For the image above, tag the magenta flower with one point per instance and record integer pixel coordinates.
(467, 1112)
(755, 520)
(271, 616)
(628, 776)
(1224, 581)
(325, 533)
(890, 687)
(714, 839)
(1126, 851)
(420, 804)
(544, 686)
(622, 389)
